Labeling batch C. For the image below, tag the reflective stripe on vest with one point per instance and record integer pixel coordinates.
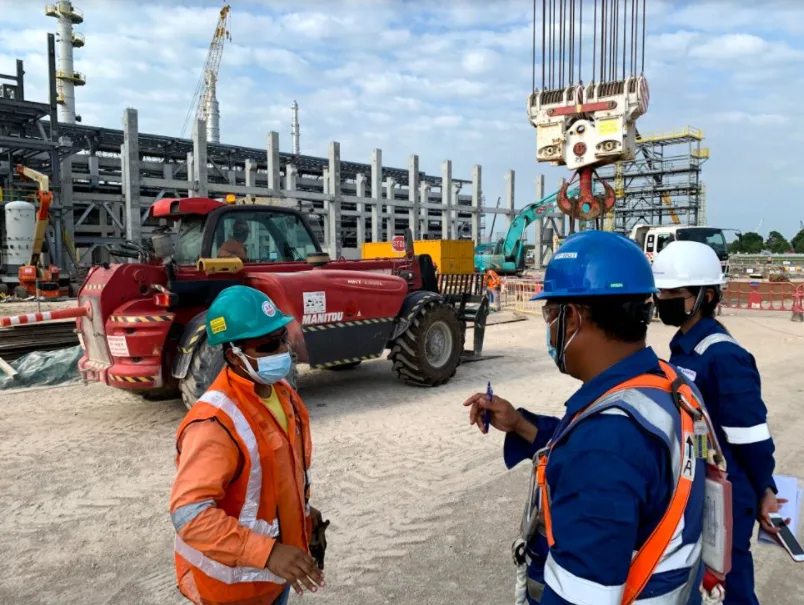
(248, 512)
(664, 550)
(713, 339)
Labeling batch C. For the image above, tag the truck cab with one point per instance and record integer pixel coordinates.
(653, 239)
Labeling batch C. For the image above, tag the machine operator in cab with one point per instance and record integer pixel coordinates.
(235, 246)
(615, 509)
(240, 501)
(689, 276)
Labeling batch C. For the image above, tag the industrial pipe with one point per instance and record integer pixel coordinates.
(33, 318)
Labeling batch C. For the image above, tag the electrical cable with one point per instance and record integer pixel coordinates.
(594, 43)
(544, 33)
(533, 61)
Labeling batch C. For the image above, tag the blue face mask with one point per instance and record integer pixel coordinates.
(551, 350)
(270, 369)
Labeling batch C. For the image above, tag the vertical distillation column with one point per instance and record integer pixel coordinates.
(67, 77)
(294, 127)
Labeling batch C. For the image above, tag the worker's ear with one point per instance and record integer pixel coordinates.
(574, 317)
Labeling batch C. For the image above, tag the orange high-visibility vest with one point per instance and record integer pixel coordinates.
(493, 280)
(647, 558)
(270, 495)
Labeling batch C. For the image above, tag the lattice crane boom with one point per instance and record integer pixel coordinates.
(205, 89)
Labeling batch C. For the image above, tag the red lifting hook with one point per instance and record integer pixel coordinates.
(587, 205)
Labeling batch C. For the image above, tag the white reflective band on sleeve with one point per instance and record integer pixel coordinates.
(741, 435)
(184, 514)
(224, 573)
(713, 339)
(579, 590)
(682, 557)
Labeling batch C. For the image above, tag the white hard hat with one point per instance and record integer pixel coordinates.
(686, 263)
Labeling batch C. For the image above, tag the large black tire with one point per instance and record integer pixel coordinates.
(20, 292)
(4, 289)
(428, 353)
(205, 365)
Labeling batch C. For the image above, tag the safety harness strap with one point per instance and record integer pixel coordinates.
(649, 556)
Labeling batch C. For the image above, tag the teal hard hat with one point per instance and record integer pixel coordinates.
(242, 313)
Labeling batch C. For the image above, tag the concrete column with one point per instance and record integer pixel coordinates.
(94, 167)
(390, 195)
(131, 171)
(510, 182)
(191, 188)
(446, 199)
(325, 184)
(334, 213)
(291, 177)
(63, 201)
(167, 171)
(232, 177)
(273, 162)
(376, 194)
(251, 173)
(424, 195)
(360, 186)
(414, 214)
(200, 158)
(477, 196)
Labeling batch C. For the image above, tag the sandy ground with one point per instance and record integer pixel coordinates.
(422, 508)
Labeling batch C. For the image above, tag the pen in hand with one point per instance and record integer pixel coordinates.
(487, 413)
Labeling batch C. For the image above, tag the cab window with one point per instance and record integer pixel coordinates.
(662, 240)
(262, 237)
(188, 240)
(650, 242)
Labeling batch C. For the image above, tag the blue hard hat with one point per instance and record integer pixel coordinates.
(242, 313)
(597, 263)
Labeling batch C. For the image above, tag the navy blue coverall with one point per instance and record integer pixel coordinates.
(611, 483)
(727, 376)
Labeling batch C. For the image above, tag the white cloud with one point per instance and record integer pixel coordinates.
(743, 118)
(444, 80)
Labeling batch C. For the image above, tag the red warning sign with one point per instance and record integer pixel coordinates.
(398, 243)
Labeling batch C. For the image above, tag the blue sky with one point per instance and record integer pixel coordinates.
(446, 83)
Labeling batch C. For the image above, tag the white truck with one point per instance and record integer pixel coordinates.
(653, 239)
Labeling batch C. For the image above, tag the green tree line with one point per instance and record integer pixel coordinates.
(776, 243)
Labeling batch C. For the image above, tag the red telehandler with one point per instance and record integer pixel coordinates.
(141, 323)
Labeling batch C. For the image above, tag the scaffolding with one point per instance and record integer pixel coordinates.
(662, 185)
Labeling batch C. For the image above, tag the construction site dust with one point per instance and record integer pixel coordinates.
(423, 510)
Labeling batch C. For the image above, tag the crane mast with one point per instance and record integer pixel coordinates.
(205, 103)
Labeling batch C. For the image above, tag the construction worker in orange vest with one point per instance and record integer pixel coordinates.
(615, 511)
(240, 501)
(493, 285)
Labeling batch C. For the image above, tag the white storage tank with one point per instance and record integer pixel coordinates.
(20, 221)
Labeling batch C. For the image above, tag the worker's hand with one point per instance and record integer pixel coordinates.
(504, 417)
(769, 504)
(296, 566)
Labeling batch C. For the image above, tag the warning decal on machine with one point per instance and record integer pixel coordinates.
(315, 302)
(118, 346)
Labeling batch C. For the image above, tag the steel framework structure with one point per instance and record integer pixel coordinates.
(663, 184)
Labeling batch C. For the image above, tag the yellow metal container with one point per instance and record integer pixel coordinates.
(449, 256)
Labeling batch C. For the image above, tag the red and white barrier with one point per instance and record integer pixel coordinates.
(32, 318)
(516, 293)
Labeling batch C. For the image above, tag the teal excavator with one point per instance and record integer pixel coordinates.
(507, 255)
